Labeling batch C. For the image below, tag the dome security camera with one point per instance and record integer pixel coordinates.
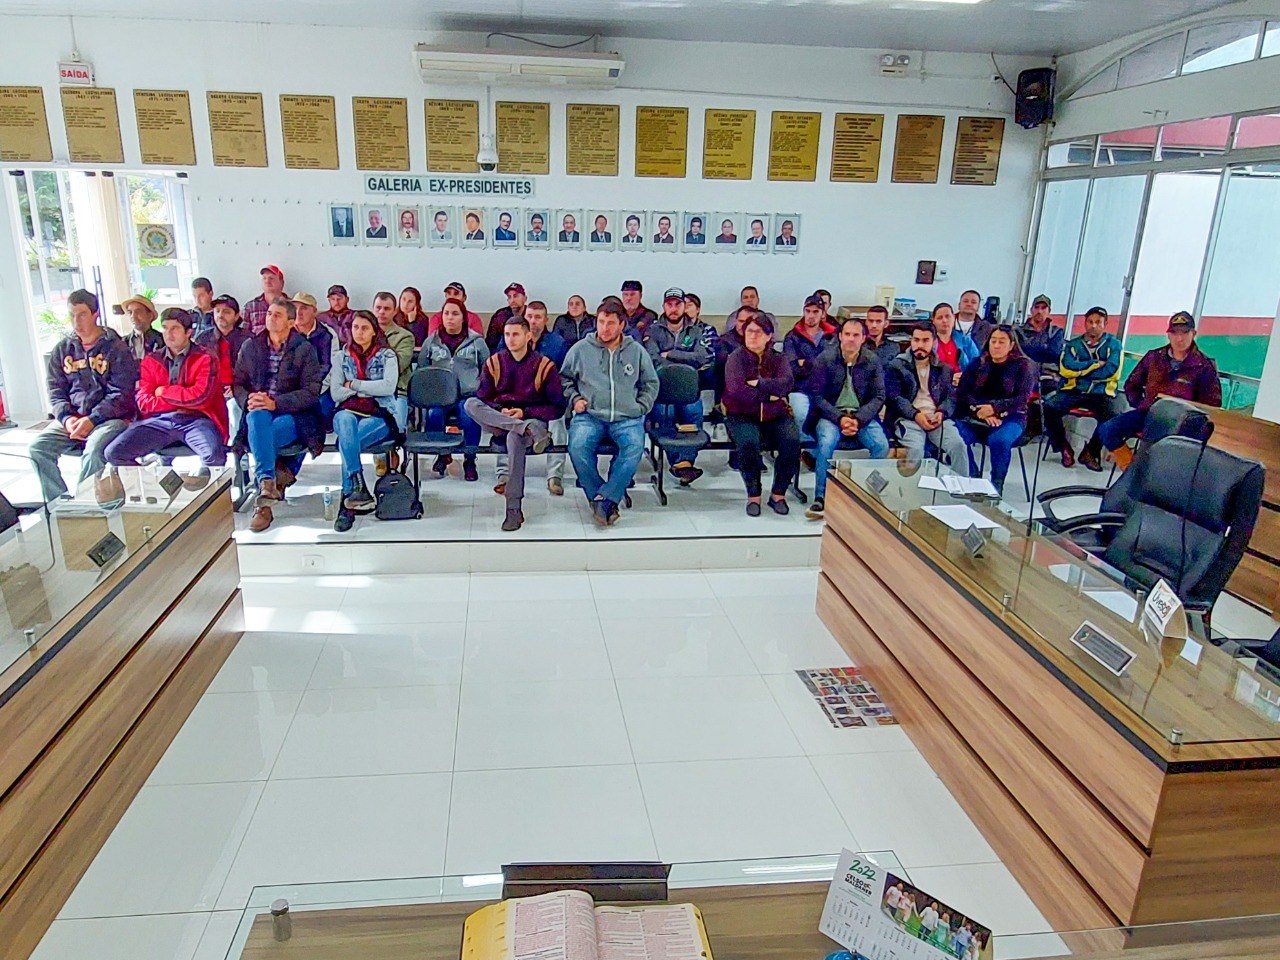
(487, 156)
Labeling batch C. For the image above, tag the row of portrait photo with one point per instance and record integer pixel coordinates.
(410, 225)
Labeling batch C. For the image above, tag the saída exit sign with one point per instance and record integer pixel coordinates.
(75, 73)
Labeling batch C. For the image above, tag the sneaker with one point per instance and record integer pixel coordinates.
(469, 472)
(1090, 460)
(268, 490)
(753, 508)
(779, 506)
(441, 465)
(555, 487)
(346, 519)
(817, 509)
(541, 440)
(513, 519)
(500, 488)
(262, 518)
(285, 478)
(600, 512)
(108, 490)
(687, 473)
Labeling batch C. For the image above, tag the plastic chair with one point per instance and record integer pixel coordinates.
(677, 384)
(429, 388)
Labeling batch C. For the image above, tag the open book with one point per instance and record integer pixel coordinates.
(567, 925)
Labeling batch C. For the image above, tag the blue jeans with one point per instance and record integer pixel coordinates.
(268, 433)
(667, 415)
(800, 403)
(999, 441)
(435, 421)
(870, 436)
(1123, 426)
(585, 434)
(354, 435)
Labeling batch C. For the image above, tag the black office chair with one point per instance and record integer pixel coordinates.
(677, 384)
(431, 387)
(1167, 417)
(1183, 512)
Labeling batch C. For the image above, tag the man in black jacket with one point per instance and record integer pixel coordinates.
(847, 394)
(92, 377)
(277, 385)
(922, 402)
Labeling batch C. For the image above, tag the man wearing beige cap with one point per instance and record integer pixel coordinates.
(142, 338)
(327, 346)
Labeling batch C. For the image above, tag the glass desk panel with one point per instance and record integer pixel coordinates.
(1186, 691)
(46, 567)
(482, 888)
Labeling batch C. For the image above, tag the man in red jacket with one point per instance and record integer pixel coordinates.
(179, 399)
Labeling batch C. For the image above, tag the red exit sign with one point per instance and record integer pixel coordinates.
(75, 74)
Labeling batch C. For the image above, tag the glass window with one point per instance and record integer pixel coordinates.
(1174, 236)
(1271, 39)
(1058, 241)
(1127, 146)
(1156, 61)
(1220, 45)
(1262, 130)
(1243, 283)
(1195, 138)
(1104, 82)
(1107, 248)
(1075, 154)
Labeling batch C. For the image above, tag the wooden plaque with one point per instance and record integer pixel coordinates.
(24, 126)
(93, 125)
(238, 131)
(728, 144)
(382, 132)
(977, 153)
(523, 137)
(855, 147)
(793, 145)
(591, 139)
(309, 129)
(453, 136)
(165, 135)
(662, 141)
(917, 149)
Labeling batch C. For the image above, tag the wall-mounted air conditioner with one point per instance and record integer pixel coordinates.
(553, 67)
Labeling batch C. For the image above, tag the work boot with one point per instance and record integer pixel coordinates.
(1068, 457)
(441, 465)
(346, 519)
(541, 438)
(285, 477)
(261, 519)
(513, 519)
(359, 498)
(1090, 460)
(198, 480)
(268, 490)
(469, 472)
(555, 487)
(108, 491)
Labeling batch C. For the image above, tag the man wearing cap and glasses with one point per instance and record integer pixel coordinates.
(456, 291)
(143, 338)
(180, 400)
(255, 311)
(1180, 370)
(1041, 341)
(677, 339)
(1090, 371)
(339, 315)
(637, 316)
(516, 299)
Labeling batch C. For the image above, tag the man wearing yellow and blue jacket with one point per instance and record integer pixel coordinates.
(1090, 371)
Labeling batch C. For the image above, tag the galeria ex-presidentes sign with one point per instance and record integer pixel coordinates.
(450, 185)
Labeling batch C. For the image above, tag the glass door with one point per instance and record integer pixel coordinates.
(50, 248)
(1105, 267)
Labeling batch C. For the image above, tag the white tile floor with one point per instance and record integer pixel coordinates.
(346, 739)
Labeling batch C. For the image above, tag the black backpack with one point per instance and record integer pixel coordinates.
(397, 497)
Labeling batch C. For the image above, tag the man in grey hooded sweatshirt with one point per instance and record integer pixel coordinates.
(610, 386)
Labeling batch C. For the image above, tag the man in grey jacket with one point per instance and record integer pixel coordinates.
(675, 339)
(610, 385)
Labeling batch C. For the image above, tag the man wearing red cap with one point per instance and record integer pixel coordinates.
(255, 311)
(516, 299)
(458, 292)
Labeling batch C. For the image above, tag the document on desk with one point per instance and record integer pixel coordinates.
(960, 517)
(959, 486)
(878, 916)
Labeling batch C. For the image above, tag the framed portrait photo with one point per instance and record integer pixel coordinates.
(757, 238)
(693, 231)
(342, 224)
(602, 229)
(568, 229)
(408, 226)
(633, 236)
(374, 226)
(537, 230)
(504, 227)
(473, 227)
(726, 232)
(441, 230)
(786, 232)
(663, 225)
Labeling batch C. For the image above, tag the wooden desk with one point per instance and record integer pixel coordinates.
(1098, 815)
(87, 713)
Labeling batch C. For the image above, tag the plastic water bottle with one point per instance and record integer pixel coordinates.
(330, 505)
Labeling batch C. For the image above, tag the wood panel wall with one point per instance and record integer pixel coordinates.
(88, 715)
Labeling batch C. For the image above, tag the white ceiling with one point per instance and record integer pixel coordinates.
(1030, 27)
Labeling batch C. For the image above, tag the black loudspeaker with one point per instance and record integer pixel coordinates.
(1034, 98)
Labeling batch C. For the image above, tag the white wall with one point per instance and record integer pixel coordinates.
(856, 236)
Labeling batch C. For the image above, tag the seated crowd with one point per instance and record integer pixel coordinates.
(272, 379)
